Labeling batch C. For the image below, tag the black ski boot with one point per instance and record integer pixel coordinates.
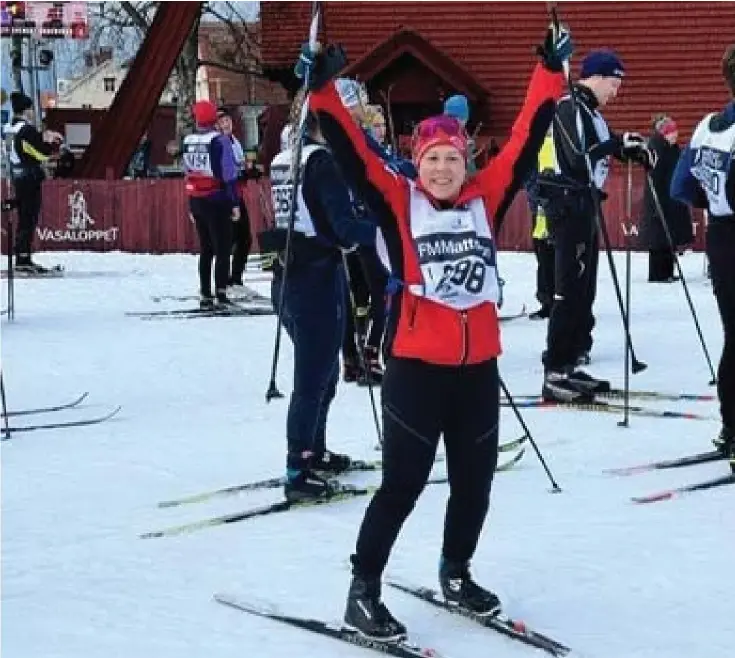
(206, 302)
(222, 300)
(559, 388)
(587, 383)
(725, 443)
(304, 486)
(367, 614)
(330, 463)
(460, 590)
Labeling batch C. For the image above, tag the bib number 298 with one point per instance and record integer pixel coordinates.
(467, 273)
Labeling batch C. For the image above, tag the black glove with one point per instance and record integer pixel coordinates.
(556, 50)
(635, 148)
(321, 66)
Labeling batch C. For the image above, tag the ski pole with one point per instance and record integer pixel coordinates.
(554, 486)
(638, 366)
(629, 228)
(360, 353)
(273, 391)
(672, 246)
(6, 429)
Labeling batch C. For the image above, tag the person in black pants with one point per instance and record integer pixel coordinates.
(29, 150)
(242, 238)
(570, 195)
(705, 178)
(677, 216)
(443, 340)
(211, 174)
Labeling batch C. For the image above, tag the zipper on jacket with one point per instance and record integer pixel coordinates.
(412, 317)
(465, 337)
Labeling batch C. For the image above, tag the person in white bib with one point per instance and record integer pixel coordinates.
(442, 342)
(705, 178)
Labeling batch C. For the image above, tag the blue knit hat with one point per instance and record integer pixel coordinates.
(602, 62)
(457, 107)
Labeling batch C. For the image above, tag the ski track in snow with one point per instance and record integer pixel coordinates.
(608, 578)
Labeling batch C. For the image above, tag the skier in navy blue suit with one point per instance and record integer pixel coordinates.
(705, 178)
(315, 297)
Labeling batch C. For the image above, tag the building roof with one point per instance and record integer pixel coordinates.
(672, 50)
(406, 41)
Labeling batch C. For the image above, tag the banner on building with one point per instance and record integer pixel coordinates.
(47, 20)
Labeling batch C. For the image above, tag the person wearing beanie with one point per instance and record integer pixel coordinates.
(30, 150)
(705, 178)
(572, 207)
(319, 218)
(677, 215)
(242, 238)
(458, 107)
(443, 336)
(210, 173)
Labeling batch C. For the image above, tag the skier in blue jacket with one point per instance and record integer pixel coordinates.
(315, 296)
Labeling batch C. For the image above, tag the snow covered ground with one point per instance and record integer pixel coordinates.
(609, 578)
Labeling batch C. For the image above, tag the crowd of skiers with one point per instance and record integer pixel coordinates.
(393, 262)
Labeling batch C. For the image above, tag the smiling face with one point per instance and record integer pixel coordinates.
(442, 172)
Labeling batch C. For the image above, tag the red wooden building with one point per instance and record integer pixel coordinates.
(425, 51)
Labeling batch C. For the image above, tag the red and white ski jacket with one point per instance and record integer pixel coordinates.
(419, 327)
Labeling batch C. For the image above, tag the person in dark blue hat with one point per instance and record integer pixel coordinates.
(580, 167)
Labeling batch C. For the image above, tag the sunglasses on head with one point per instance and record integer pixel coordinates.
(434, 126)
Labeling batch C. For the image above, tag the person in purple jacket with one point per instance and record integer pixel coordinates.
(211, 175)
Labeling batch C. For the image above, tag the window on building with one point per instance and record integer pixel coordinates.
(109, 84)
(250, 115)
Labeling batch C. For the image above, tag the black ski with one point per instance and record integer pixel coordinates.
(344, 492)
(44, 410)
(335, 630)
(356, 466)
(605, 407)
(676, 492)
(679, 462)
(501, 623)
(53, 426)
(270, 483)
(187, 313)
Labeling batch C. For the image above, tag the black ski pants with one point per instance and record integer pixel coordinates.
(422, 401)
(213, 220)
(28, 195)
(544, 250)
(242, 241)
(721, 253)
(660, 265)
(576, 259)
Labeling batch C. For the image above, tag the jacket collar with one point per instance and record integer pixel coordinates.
(584, 94)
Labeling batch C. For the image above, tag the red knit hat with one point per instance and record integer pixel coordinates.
(205, 113)
(436, 131)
